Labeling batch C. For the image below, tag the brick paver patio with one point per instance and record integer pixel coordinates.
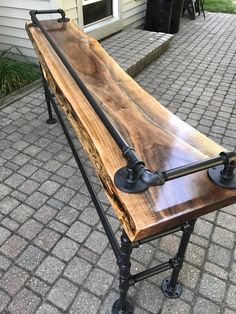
(54, 255)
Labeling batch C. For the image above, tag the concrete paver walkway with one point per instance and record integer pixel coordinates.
(54, 255)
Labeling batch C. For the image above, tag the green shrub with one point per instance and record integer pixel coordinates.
(15, 74)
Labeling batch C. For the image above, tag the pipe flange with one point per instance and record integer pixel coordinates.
(116, 308)
(171, 293)
(120, 179)
(215, 174)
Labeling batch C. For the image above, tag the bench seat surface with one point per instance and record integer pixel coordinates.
(159, 138)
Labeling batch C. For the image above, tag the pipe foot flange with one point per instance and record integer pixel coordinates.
(116, 308)
(215, 174)
(51, 121)
(170, 293)
(121, 182)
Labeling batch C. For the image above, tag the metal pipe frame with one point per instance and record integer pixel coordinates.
(50, 119)
(123, 252)
(97, 204)
(35, 21)
(170, 286)
(135, 177)
(161, 234)
(134, 172)
(175, 262)
(150, 272)
(122, 305)
(112, 130)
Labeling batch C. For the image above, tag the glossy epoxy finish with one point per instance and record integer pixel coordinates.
(161, 139)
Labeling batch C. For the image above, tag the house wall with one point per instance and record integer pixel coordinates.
(70, 7)
(14, 14)
(133, 13)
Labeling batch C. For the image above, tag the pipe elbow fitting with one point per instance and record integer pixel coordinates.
(229, 157)
(152, 178)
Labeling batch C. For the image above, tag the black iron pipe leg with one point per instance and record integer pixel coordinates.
(51, 119)
(170, 286)
(122, 305)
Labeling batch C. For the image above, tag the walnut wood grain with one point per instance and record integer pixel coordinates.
(161, 139)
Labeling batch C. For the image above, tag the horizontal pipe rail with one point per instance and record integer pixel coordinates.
(35, 20)
(150, 272)
(112, 130)
(127, 178)
(160, 235)
(193, 167)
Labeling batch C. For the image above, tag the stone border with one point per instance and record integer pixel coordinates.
(20, 93)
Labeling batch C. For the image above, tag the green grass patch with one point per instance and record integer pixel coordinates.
(15, 74)
(225, 6)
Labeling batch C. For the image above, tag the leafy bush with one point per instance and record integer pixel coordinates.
(15, 74)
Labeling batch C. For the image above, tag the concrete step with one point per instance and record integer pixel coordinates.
(134, 49)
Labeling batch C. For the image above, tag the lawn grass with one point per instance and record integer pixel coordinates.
(15, 74)
(225, 6)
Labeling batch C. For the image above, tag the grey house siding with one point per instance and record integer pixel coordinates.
(15, 13)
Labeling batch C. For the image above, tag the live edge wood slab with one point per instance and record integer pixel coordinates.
(159, 138)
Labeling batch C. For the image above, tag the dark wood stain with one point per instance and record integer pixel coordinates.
(161, 139)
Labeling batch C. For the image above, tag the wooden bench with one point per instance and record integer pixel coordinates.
(159, 138)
